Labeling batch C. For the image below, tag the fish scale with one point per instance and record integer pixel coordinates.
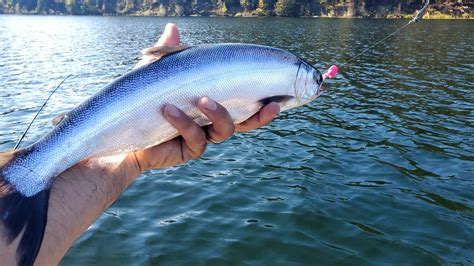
(126, 115)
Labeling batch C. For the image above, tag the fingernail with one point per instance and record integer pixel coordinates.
(172, 111)
(169, 26)
(209, 104)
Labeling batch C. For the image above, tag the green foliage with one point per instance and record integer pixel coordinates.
(224, 8)
(285, 8)
(88, 8)
(109, 7)
(291, 8)
(245, 4)
(72, 7)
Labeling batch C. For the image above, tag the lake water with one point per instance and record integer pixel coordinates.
(378, 170)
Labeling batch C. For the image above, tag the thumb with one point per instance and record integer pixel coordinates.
(170, 36)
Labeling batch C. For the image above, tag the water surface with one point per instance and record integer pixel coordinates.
(378, 170)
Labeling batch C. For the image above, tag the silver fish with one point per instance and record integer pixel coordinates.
(125, 116)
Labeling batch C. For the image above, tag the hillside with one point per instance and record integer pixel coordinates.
(287, 8)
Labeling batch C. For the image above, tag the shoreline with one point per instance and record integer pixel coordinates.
(448, 11)
(140, 14)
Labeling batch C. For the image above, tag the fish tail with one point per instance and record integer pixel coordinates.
(22, 216)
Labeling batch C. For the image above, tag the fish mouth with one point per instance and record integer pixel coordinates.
(308, 82)
(319, 81)
(319, 91)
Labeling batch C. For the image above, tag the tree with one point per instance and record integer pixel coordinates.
(286, 8)
(109, 7)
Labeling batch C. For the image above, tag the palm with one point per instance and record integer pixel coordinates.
(192, 142)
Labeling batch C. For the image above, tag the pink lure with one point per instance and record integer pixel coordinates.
(332, 71)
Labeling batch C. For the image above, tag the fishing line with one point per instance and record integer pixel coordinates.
(41, 108)
(375, 44)
(418, 17)
(332, 71)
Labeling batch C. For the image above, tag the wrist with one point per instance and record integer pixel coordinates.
(79, 196)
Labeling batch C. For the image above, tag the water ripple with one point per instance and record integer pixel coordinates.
(378, 170)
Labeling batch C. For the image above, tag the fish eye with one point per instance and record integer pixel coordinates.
(317, 77)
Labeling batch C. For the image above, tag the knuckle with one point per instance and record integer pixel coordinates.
(190, 126)
(198, 150)
(231, 127)
(223, 127)
(197, 133)
(229, 130)
(201, 141)
(196, 142)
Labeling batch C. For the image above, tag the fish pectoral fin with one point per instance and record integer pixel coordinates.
(158, 52)
(58, 119)
(276, 98)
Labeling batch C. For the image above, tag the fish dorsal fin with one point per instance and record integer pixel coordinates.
(58, 119)
(156, 53)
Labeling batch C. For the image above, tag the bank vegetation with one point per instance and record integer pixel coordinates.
(246, 8)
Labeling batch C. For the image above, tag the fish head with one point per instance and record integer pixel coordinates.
(307, 84)
(306, 87)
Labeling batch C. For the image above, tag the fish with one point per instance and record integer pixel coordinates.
(124, 116)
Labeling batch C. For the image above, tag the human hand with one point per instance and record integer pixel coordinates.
(80, 194)
(193, 139)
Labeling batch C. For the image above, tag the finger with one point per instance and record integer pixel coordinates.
(222, 125)
(260, 119)
(193, 135)
(163, 155)
(170, 36)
